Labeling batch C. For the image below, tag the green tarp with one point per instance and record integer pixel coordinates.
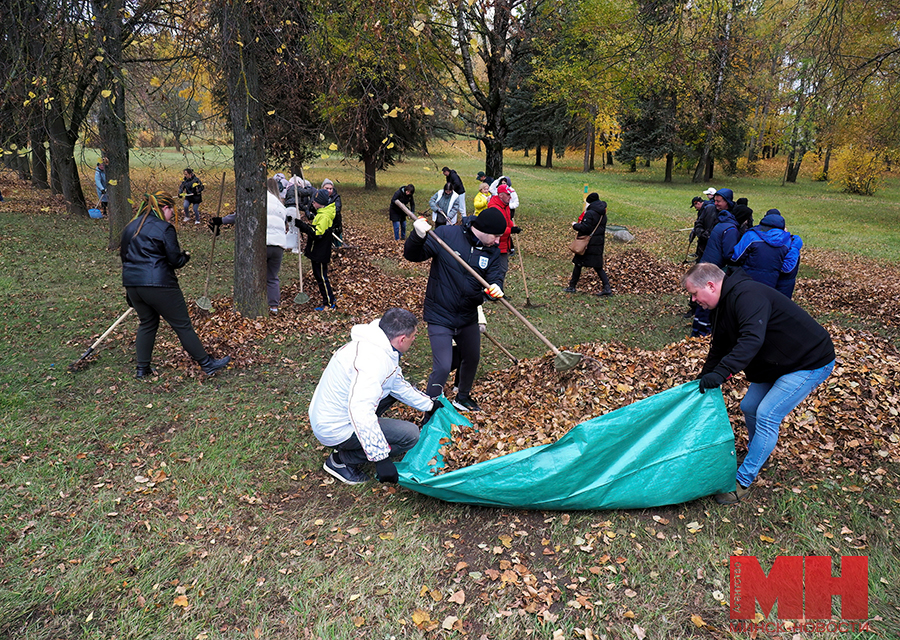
(670, 448)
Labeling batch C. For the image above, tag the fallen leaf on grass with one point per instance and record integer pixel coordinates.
(459, 597)
(640, 633)
(180, 601)
(768, 539)
(698, 621)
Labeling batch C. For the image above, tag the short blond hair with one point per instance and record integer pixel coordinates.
(701, 273)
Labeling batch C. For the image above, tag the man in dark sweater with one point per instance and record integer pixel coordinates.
(783, 352)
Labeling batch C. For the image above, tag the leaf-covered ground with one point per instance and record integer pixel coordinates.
(850, 422)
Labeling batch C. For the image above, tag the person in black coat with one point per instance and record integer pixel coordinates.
(783, 352)
(150, 254)
(458, 188)
(404, 195)
(319, 231)
(453, 295)
(592, 221)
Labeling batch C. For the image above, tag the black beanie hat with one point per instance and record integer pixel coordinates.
(321, 197)
(491, 221)
(593, 197)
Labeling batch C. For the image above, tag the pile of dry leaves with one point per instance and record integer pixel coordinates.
(849, 422)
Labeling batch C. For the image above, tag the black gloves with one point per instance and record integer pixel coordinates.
(102, 191)
(386, 471)
(437, 404)
(516, 230)
(711, 380)
(298, 222)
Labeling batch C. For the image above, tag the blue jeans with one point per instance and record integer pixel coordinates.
(187, 208)
(399, 229)
(765, 406)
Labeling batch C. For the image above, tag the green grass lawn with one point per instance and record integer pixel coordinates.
(191, 508)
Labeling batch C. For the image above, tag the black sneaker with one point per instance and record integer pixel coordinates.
(346, 473)
(569, 289)
(465, 403)
(733, 497)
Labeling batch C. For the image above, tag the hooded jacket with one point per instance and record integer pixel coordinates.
(757, 330)
(149, 259)
(357, 377)
(453, 295)
(722, 239)
(762, 252)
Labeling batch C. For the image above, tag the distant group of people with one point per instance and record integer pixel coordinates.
(727, 238)
(294, 205)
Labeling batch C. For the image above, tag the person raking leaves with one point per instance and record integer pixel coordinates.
(452, 295)
(344, 407)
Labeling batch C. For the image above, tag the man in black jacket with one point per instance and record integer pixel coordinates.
(783, 352)
(453, 294)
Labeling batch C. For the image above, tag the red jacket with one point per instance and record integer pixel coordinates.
(497, 203)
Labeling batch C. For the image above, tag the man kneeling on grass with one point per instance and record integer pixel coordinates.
(362, 378)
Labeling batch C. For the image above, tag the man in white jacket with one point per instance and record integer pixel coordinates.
(343, 410)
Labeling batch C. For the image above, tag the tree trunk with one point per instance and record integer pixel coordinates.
(112, 123)
(588, 139)
(593, 152)
(369, 168)
(826, 167)
(609, 158)
(670, 163)
(39, 175)
(717, 94)
(537, 156)
(55, 182)
(493, 157)
(240, 66)
(793, 168)
(549, 163)
(63, 152)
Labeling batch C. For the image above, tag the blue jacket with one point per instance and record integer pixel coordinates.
(763, 251)
(788, 276)
(724, 237)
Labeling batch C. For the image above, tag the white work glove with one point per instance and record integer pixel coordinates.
(494, 292)
(482, 328)
(422, 227)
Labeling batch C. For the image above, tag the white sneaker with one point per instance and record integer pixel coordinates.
(196, 222)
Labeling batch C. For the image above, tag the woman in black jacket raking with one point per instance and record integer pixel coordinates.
(150, 254)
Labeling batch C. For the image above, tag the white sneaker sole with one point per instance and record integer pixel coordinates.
(337, 475)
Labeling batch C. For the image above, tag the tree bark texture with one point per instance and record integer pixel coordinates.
(240, 66)
(699, 173)
(112, 121)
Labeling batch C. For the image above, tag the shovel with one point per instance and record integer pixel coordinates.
(564, 361)
(93, 347)
(205, 303)
(300, 298)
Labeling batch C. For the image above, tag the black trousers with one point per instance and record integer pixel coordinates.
(576, 276)
(320, 273)
(468, 340)
(152, 302)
